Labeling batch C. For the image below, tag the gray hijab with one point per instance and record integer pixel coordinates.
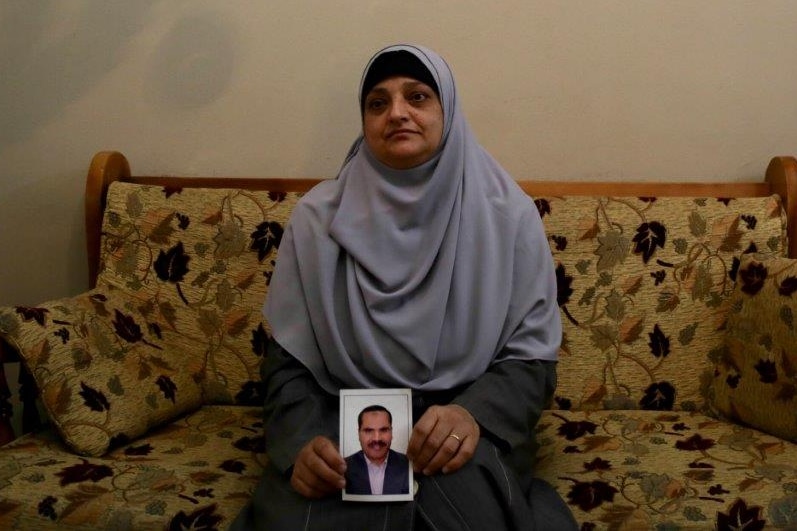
(418, 278)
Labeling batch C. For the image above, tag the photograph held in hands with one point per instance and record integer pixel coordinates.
(375, 427)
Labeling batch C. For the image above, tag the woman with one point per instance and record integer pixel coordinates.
(423, 265)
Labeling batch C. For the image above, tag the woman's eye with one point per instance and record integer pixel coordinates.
(375, 104)
(418, 96)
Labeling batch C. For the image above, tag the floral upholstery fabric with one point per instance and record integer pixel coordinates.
(105, 373)
(199, 262)
(755, 378)
(643, 286)
(667, 470)
(195, 473)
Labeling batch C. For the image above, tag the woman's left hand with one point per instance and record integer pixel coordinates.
(443, 439)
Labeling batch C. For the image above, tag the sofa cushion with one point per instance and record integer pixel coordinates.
(755, 377)
(106, 373)
(195, 473)
(200, 260)
(667, 470)
(643, 286)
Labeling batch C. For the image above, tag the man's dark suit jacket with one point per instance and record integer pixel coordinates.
(397, 476)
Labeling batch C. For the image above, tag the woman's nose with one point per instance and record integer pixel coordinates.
(398, 109)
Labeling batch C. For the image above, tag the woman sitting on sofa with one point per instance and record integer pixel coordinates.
(422, 266)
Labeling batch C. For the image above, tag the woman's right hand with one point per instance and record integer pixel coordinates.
(319, 469)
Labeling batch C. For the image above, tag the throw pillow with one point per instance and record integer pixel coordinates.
(105, 374)
(755, 376)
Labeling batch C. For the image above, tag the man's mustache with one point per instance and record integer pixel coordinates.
(377, 444)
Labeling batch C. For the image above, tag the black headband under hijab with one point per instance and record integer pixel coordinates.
(398, 63)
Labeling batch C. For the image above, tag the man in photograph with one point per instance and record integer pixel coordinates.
(376, 469)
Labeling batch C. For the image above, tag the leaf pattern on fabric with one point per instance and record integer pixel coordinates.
(172, 266)
(589, 495)
(203, 519)
(266, 237)
(94, 399)
(740, 516)
(659, 343)
(753, 277)
(29, 313)
(84, 471)
(167, 387)
(649, 235)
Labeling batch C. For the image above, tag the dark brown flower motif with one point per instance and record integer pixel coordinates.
(767, 371)
(30, 313)
(46, 508)
(168, 191)
(659, 343)
(63, 334)
(788, 286)
(659, 396)
(658, 276)
(649, 235)
(560, 242)
(84, 472)
(126, 327)
(717, 490)
(572, 429)
(543, 207)
(204, 519)
(749, 220)
(753, 277)
(251, 394)
(563, 403)
(695, 443)
(182, 221)
(597, 464)
(251, 444)
(587, 496)
(740, 517)
(233, 465)
(259, 340)
(267, 236)
(144, 449)
(277, 197)
(172, 266)
(94, 399)
(167, 387)
(564, 291)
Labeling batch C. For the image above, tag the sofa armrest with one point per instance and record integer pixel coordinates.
(6, 411)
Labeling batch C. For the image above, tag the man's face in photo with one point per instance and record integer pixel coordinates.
(376, 434)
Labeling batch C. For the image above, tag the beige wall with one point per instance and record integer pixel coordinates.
(614, 89)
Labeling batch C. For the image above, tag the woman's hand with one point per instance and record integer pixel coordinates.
(319, 469)
(444, 439)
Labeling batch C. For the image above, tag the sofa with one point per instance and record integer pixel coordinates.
(676, 382)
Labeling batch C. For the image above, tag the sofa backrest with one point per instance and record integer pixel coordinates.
(199, 261)
(643, 287)
(643, 283)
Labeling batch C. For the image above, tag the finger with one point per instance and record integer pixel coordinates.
(311, 483)
(420, 432)
(464, 454)
(318, 467)
(328, 452)
(447, 450)
(436, 443)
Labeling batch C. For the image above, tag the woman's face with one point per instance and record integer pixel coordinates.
(402, 122)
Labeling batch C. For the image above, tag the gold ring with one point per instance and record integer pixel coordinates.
(454, 435)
